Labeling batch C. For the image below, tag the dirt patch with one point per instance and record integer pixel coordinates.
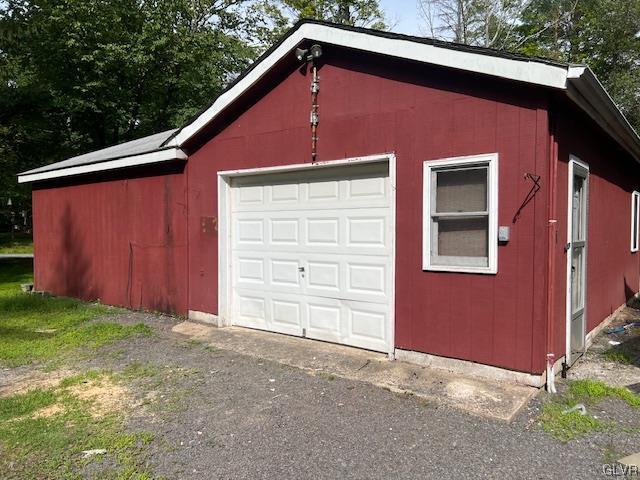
(49, 411)
(32, 379)
(614, 356)
(105, 395)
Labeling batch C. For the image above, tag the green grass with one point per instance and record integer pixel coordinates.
(39, 328)
(21, 243)
(138, 370)
(573, 425)
(50, 447)
(592, 391)
(618, 356)
(194, 342)
(25, 404)
(567, 426)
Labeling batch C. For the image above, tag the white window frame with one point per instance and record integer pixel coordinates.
(635, 212)
(491, 161)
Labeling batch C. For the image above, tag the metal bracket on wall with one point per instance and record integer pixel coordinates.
(535, 188)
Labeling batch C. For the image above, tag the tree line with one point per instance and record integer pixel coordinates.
(79, 75)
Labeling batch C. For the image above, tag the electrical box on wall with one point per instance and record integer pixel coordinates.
(503, 234)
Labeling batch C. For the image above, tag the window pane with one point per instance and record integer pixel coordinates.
(633, 221)
(463, 237)
(461, 190)
(577, 267)
(579, 216)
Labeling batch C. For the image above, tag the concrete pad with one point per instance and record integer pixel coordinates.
(480, 397)
(631, 460)
(191, 329)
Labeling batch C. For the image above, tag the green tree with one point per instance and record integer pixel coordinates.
(605, 34)
(78, 75)
(284, 13)
(363, 13)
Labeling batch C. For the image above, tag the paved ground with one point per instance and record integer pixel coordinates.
(216, 413)
(226, 415)
(472, 394)
(598, 363)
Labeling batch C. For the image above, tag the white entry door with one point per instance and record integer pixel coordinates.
(577, 259)
(311, 254)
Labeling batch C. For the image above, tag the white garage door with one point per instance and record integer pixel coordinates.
(311, 254)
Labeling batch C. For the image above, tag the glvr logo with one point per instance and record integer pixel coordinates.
(625, 467)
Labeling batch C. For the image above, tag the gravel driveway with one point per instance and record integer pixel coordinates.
(224, 415)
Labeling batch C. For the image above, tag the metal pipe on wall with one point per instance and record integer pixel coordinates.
(551, 260)
(315, 89)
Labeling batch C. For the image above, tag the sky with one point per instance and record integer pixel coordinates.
(402, 16)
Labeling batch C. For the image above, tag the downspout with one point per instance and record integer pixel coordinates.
(551, 259)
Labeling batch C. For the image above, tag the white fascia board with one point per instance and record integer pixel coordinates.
(586, 91)
(144, 159)
(528, 71)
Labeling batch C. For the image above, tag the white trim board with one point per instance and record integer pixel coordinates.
(491, 159)
(225, 301)
(528, 71)
(578, 81)
(635, 221)
(573, 162)
(159, 156)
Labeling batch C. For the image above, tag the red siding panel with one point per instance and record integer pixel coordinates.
(122, 241)
(369, 107)
(613, 272)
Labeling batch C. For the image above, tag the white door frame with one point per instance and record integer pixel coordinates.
(225, 303)
(575, 165)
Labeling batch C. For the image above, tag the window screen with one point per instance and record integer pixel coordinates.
(635, 219)
(458, 199)
(460, 217)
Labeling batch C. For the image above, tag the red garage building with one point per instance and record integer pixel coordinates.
(453, 205)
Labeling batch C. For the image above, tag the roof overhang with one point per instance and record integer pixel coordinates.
(398, 46)
(578, 81)
(586, 91)
(158, 156)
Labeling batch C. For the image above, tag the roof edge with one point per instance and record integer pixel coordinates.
(586, 91)
(156, 156)
(522, 69)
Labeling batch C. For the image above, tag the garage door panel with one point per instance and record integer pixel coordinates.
(287, 313)
(285, 272)
(326, 191)
(284, 193)
(273, 271)
(324, 319)
(272, 311)
(312, 256)
(366, 188)
(366, 278)
(284, 231)
(250, 309)
(324, 276)
(327, 195)
(250, 231)
(250, 196)
(322, 231)
(370, 231)
(357, 324)
(250, 269)
(367, 325)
